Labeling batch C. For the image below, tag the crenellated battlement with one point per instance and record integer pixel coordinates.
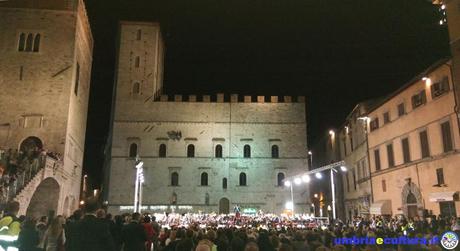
(232, 98)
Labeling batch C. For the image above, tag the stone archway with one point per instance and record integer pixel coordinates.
(31, 143)
(411, 197)
(224, 206)
(45, 200)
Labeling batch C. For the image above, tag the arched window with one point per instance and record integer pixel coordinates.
(204, 179)
(191, 151)
(242, 179)
(275, 151)
(280, 179)
(174, 179)
(29, 42)
(37, 43)
(219, 151)
(136, 88)
(162, 151)
(137, 62)
(133, 150)
(247, 151)
(224, 183)
(22, 42)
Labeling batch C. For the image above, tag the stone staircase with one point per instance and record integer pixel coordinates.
(25, 194)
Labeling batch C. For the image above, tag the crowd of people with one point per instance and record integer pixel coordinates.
(95, 230)
(17, 168)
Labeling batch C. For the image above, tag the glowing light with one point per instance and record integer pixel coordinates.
(82, 202)
(318, 175)
(310, 153)
(443, 7)
(343, 168)
(329, 208)
(95, 192)
(306, 178)
(332, 133)
(287, 183)
(315, 195)
(289, 205)
(441, 22)
(297, 181)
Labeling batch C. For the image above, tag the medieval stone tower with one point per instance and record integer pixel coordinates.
(45, 67)
(205, 153)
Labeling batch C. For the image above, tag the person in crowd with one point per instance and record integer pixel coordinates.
(71, 231)
(10, 226)
(41, 227)
(54, 237)
(28, 239)
(93, 234)
(116, 232)
(133, 234)
(148, 231)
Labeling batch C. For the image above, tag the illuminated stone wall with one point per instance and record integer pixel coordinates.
(38, 87)
(204, 121)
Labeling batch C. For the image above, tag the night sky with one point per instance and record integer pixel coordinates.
(335, 52)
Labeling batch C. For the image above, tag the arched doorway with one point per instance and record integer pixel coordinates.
(224, 206)
(31, 143)
(411, 202)
(44, 201)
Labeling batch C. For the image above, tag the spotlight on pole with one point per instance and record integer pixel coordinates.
(297, 181)
(287, 183)
(318, 175)
(306, 178)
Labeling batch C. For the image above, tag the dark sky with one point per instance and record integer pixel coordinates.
(335, 52)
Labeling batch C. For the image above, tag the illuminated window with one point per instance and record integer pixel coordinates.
(280, 179)
(162, 151)
(133, 150)
(191, 151)
(218, 151)
(174, 179)
(242, 179)
(247, 151)
(204, 179)
(275, 151)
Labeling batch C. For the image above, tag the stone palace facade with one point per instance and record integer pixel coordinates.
(200, 153)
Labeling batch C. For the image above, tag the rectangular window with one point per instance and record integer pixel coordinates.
(384, 186)
(374, 124)
(354, 179)
(424, 144)
(401, 110)
(446, 137)
(139, 34)
(439, 88)
(77, 80)
(391, 157)
(386, 118)
(418, 99)
(406, 150)
(440, 176)
(377, 160)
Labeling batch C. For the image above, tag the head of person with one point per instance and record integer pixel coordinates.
(136, 217)
(251, 246)
(202, 247)
(146, 218)
(100, 213)
(56, 226)
(91, 206)
(77, 214)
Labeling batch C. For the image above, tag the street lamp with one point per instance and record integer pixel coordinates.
(310, 153)
(138, 185)
(289, 184)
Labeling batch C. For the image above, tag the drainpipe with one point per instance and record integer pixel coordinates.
(456, 108)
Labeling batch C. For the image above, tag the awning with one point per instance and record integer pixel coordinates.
(442, 196)
(382, 207)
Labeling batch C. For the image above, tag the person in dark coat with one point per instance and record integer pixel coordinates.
(94, 234)
(28, 237)
(133, 235)
(71, 231)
